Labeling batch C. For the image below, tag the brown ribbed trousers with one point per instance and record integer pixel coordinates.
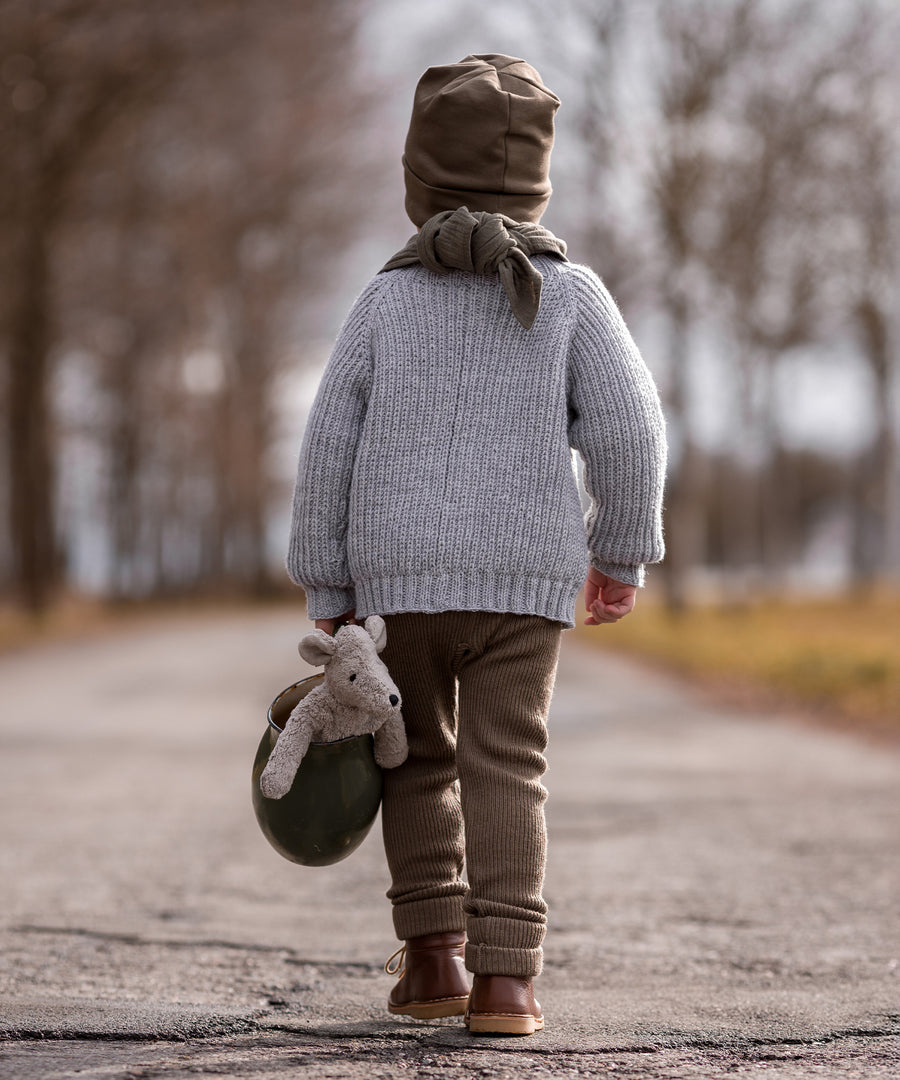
(476, 688)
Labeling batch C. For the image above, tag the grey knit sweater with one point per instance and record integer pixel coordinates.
(436, 473)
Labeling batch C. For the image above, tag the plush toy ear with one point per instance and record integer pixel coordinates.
(377, 631)
(316, 648)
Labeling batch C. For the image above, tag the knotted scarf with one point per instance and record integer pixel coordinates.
(485, 243)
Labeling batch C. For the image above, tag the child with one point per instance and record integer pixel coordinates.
(435, 488)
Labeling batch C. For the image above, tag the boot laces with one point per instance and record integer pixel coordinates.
(396, 962)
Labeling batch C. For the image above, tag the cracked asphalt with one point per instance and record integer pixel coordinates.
(724, 887)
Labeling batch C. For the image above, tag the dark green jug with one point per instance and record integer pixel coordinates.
(334, 797)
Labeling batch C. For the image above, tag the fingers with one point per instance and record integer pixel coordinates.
(614, 601)
(329, 625)
(608, 613)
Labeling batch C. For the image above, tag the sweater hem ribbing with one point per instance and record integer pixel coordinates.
(474, 591)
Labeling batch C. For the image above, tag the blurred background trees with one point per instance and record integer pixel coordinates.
(190, 195)
(176, 181)
(750, 154)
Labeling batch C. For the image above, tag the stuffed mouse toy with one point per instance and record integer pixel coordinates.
(357, 696)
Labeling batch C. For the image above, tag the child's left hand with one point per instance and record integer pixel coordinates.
(606, 599)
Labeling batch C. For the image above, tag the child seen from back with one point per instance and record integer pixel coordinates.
(435, 488)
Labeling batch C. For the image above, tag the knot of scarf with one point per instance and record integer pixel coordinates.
(485, 243)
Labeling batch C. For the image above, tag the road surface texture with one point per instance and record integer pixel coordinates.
(724, 887)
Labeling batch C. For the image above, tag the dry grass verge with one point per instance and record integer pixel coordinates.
(839, 659)
(75, 617)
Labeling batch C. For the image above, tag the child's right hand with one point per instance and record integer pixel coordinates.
(606, 599)
(328, 625)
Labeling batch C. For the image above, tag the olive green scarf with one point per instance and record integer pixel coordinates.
(485, 243)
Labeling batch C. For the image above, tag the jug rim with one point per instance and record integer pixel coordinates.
(317, 678)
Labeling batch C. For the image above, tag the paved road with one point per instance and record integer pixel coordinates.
(724, 888)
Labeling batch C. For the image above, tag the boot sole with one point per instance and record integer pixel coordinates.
(430, 1010)
(503, 1023)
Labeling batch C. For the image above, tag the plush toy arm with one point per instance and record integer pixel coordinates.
(285, 758)
(390, 743)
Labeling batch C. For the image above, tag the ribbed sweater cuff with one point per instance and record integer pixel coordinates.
(327, 602)
(627, 573)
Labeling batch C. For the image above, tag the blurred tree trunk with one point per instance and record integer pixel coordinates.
(875, 494)
(126, 347)
(249, 412)
(35, 178)
(54, 112)
(125, 459)
(30, 454)
(874, 194)
(684, 501)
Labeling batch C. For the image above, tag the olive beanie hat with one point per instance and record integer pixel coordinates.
(480, 136)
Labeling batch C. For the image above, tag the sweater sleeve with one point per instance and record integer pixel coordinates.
(616, 424)
(317, 551)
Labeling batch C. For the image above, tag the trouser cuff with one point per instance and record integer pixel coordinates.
(437, 915)
(504, 946)
(495, 960)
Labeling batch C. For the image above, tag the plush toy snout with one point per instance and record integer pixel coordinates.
(355, 675)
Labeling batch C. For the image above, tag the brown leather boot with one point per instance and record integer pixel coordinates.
(503, 1005)
(432, 977)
